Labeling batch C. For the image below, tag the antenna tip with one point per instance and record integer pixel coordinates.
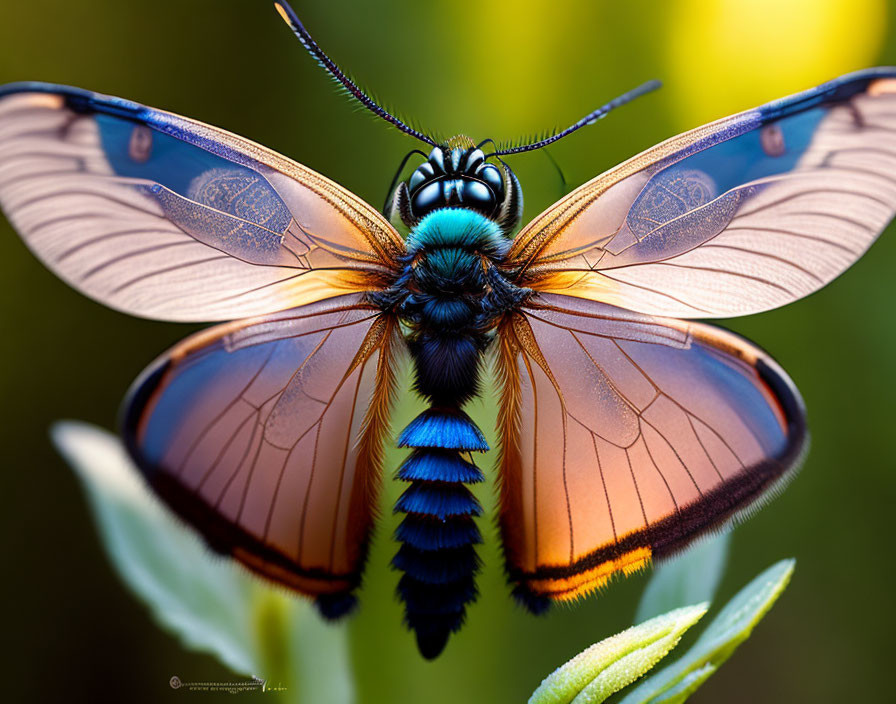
(286, 14)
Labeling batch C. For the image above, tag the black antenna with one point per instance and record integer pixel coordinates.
(589, 119)
(289, 16)
(401, 166)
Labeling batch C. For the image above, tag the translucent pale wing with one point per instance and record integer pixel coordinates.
(266, 436)
(739, 216)
(169, 218)
(625, 436)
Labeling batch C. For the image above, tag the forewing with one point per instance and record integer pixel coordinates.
(739, 216)
(266, 435)
(165, 217)
(625, 437)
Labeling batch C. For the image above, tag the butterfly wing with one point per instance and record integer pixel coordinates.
(165, 217)
(735, 217)
(624, 437)
(266, 436)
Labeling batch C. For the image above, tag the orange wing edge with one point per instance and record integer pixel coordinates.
(732, 502)
(229, 540)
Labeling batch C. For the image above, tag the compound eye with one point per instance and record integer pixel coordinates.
(427, 199)
(473, 160)
(478, 196)
(423, 173)
(490, 174)
(437, 160)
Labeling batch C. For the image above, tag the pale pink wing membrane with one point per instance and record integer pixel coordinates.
(636, 434)
(164, 217)
(736, 217)
(256, 433)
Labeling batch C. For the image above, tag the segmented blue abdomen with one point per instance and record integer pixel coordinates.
(438, 533)
(444, 310)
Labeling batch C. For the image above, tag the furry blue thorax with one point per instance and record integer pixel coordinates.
(458, 228)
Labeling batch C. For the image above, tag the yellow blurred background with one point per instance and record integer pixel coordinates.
(487, 69)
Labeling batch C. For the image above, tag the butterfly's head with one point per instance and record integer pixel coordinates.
(458, 174)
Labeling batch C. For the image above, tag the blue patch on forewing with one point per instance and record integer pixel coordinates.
(191, 172)
(253, 243)
(679, 190)
(170, 161)
(743, 159)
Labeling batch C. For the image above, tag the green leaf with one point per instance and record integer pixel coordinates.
(208, 601)
(689, 578)
(608, 666)
(732, 626)
(687, 686)
(201, 599)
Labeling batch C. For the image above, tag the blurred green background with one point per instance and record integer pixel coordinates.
(487, 69)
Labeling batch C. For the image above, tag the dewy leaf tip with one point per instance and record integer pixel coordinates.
(731, 627)
(613, 663)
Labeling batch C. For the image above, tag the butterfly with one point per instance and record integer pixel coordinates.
(626, 429)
